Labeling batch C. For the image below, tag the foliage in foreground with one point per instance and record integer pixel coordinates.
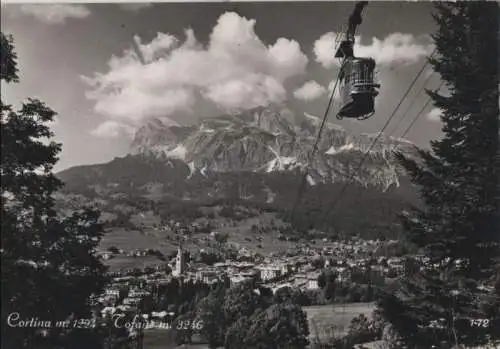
(247, 317)
(49, 270)
(458, 229)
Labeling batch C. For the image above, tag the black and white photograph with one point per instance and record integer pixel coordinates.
(250, 175)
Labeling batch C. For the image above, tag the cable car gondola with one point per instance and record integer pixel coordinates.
(358, 88)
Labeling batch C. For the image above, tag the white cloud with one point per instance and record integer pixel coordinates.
(55, 13)
(113, 129)
(157, 48)
(396, 48)
(131, 103)
(249, 92)
(235, 71)
(287, 58)
(435, 114)
(135, 6)
(325, 48)
(309, 91)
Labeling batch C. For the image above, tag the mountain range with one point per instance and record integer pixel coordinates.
(264, 141)
(258, 155)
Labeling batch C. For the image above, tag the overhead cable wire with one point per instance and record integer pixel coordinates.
(412, 123)
(363, 159)
(359, 9)
(405, 114)
(419, 113)
(316, 143)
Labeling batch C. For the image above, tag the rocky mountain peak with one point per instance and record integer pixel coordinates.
(268, 140)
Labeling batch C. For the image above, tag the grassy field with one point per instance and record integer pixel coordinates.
(132, 240)
(239, 234)
(328, 320)
(264, 243)
(129, 240)
(125, 262)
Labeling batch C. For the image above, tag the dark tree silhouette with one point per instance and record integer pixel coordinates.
(210, 311)
(279, 326)
(8, 64)
(48, 267)
(244, 317)
(458, 228)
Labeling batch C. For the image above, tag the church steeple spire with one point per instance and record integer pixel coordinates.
(180, 263)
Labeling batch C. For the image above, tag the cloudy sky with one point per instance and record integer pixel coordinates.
(108, 68)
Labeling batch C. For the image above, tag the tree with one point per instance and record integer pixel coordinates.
(318, 262)
(242, 317)
(327, 282)
(236, 333)
(49, 270)
(391, 339)
(457, 227)
(221, 239)
(8, 57)
(146, 305)
(242, 300)
(284, 295)
(281, 326)
(360, 330)
(210, 311)
(329, 275)
(183, 329)
(114, 336)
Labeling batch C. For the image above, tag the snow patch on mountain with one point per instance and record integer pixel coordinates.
(203, 171)
(192, 169)
(265, 141)
(178, 152)
(282, 163)
(271, 196)
(310, 180)
(346, 147)
(312, 118)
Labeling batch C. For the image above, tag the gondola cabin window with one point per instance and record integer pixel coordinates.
(360, 76)
(359, 88)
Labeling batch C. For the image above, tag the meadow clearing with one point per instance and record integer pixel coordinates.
(324, 322)
(327, 321)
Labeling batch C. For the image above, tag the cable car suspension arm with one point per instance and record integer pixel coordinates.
(355, 20)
